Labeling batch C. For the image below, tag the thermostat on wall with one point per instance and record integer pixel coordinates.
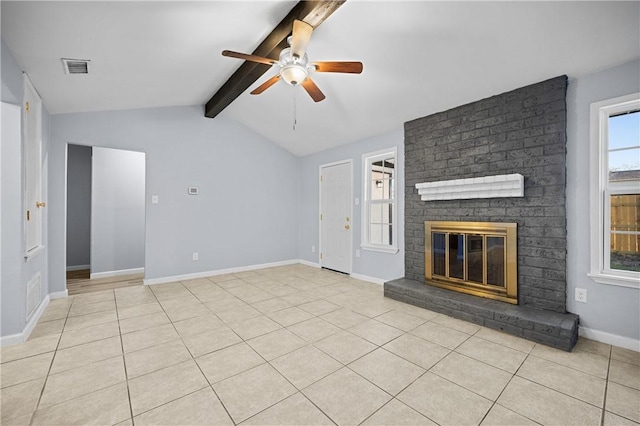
(193, 190)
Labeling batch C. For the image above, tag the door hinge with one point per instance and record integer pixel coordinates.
(28, 215)
(26, 106)
(320, 178)
(320, 216)
(320, 256)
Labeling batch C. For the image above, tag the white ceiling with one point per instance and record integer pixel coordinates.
(419, 57)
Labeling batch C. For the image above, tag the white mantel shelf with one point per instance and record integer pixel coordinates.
(499, 186)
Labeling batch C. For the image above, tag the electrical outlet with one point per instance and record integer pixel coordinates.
(195, 256)
(357, 253)
(581, 295)
(313, 249)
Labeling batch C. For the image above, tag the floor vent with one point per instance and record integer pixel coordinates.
(75, 66)
(33, 295)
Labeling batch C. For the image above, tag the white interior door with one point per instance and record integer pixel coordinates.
(32, 128)
(335, 217)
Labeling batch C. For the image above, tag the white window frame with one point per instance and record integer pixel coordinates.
(600, 190)
(367, 160)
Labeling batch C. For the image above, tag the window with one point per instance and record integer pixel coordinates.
(379, 206)
(615, 191)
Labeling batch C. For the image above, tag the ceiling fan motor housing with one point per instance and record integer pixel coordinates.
(294, 69)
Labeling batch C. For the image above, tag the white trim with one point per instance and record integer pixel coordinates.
(598, 154)
(367, 278)
(618, 280)
(348, 161)
(14, 339)
(611, 339)
(59, 295)
(498, 186)
(204, 274)
(307, 263)
(365, 244)
(118, 273)
(380, 249)
(78, 267)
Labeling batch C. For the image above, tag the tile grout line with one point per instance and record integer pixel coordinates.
(46, 378)
(124, 359)
(606, 389)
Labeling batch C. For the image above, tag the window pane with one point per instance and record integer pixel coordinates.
(456, 256)
(625, 232)
(474, 260)
(377, 185)
(624, 252)
(625, 212)
(624, 165)
(386, 235)
(438, 248)
(375, 213)
(495, 261)
(624, 130)
(375, 234)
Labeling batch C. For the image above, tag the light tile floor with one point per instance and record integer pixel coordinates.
(296, 345)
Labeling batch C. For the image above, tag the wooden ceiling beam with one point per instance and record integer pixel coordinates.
(311, 12)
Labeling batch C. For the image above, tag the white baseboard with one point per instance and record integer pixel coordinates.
(307, 263)
(367, 278)
(78, 267)
(163, 280)
(108, 274)
(59, 294)
(18, 338)
(611, 339)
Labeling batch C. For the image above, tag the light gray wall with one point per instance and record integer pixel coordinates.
(78, 205)
(16, 272)
(117, 210)
(372, 264)
(247, 210)
(610, 309)
(11, 77)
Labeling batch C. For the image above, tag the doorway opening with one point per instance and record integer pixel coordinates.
(105, 218)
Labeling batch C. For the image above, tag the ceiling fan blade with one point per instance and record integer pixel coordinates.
(347, 67)
(300, 37)
(246, 57)
(264, 86)
(312, 90)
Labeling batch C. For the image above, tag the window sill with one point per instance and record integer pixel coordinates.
(381, 249)
(33, 253)
(617, 280)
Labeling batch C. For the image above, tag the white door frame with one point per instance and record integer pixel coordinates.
(320, 168)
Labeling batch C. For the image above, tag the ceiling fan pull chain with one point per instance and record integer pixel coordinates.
(295, 120)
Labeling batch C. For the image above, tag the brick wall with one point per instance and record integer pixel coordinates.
(523, 131)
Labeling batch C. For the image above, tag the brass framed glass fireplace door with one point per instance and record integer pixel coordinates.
(478, 258)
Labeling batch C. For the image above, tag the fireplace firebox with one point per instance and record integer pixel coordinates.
(478, 258)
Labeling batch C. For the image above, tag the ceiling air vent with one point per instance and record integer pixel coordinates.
(75, 66)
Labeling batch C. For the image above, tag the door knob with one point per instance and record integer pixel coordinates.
(347, 227)
(40, 204)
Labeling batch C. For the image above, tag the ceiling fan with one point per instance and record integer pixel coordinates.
(294, 63)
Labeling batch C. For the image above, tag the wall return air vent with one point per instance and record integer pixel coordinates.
(76, 66)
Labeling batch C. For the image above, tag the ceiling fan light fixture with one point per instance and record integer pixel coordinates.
(294, 74)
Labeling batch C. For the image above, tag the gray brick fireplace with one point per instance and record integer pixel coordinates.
(518, 132)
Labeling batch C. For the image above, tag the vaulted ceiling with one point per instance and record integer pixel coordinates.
(419, 57)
